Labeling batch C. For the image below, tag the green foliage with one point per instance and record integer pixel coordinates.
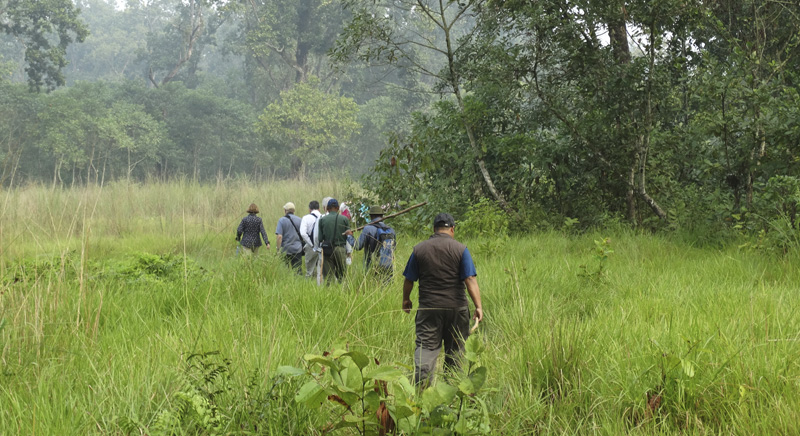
(148, 267)
(194, 407)
(139, 267)
(375, 399)
(61, 267)
(599, 274)
(683, 381)
(38, 24)
(269, 408)
(562, 356)
(309, 124)
(484, 218)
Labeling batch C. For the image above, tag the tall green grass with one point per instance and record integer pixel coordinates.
(100, 310)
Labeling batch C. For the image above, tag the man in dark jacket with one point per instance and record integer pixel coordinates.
(331, 241)
(443, 267)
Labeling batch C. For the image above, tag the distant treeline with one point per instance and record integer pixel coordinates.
(678, 115)
(94, 132)
(198, 88)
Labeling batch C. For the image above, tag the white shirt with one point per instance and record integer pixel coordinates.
(307, 226)
(316, 234)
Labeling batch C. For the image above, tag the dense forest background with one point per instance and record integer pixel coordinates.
(663, 114)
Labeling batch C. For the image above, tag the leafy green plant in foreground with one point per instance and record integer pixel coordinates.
(194, 407)
(378, 400)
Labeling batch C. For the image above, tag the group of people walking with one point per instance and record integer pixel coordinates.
(326, 241)
(441, 267)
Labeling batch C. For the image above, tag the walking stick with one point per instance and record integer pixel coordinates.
(474, 327)
(393, 215)
(321, 257)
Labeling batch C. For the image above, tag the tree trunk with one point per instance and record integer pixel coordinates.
(630, 195)
(303, 46)
(618, 38)
(476, 149)
(56, 169)
(298, 168)
(644, 145)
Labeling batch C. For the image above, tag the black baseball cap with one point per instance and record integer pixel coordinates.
(444, 220)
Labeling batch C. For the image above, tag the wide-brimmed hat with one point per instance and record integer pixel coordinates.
(376, 210)
(288, 206)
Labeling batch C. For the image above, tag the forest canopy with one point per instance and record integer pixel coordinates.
(666, 114)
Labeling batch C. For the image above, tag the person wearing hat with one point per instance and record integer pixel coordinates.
(443, 267)
(331, 240)
(289, 241)
(250, 231)
(378, 242)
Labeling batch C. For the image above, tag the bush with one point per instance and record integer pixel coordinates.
(484, 218)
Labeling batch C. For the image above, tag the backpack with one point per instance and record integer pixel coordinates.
(384, 246)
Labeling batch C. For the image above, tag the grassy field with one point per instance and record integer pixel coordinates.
(113, 301)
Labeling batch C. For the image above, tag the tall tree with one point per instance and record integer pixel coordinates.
(308, 124)
(176, 40)
(755, 55)
(424, 36)
(18, 109)
(111, 51)
(291, 38)
(35, 23)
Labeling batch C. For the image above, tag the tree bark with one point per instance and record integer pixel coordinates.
(618, 38)
(196, 26)
(303, 46)
(476, 149)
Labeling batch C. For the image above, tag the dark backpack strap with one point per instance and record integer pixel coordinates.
(372, 241)
(335, 225)
(295, 228)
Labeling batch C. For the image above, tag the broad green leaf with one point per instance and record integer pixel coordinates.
(473, 348)
(353, 419)
(461, 426)
(311, 394)
(291, 371)
(401, 411)
(322, 360)
(408, 425)
(338, 352)
(351, 376)
(405, 385)
(431, 399)
(372, 400)
(385, 373)
(472, 384)
(446, 392)
(359, 358)
(351, 397)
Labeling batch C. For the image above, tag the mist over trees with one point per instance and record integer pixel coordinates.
(662, 114)
(203, 89)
